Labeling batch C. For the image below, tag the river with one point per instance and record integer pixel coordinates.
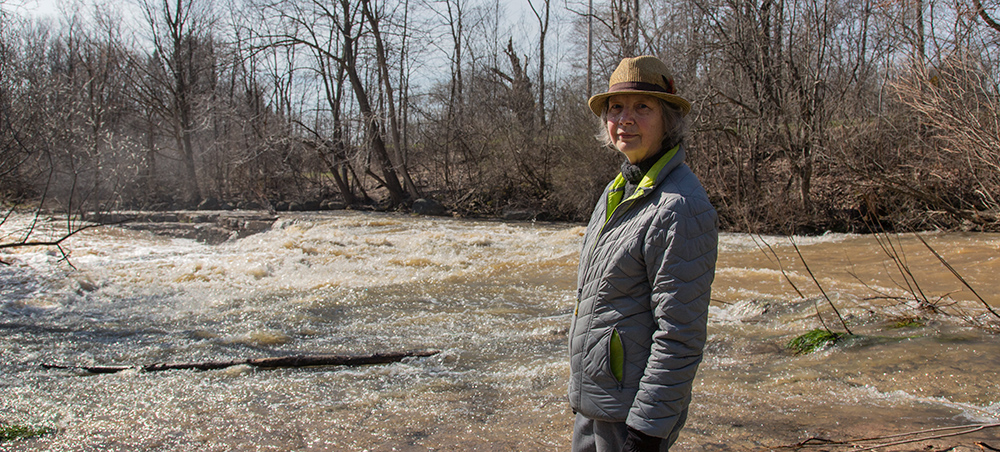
(495, 298)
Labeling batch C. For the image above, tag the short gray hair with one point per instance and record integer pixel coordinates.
(674, 133)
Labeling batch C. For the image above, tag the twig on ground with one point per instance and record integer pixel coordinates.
(934, 433)
(985, 446)
(969, 429)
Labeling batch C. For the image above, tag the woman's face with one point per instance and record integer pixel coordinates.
(635, 125)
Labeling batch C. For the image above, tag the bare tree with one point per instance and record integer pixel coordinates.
(59, 105)
(958, 104)
(780, 63)
(624, 26)
(374, 136)
(179, 31)
(455, 15)
(543, 30)
(336, 35)
(802, 107)
(14, 152)
(381, 58)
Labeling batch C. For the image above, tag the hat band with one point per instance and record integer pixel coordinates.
(640, 86)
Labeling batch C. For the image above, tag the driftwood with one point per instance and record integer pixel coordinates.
(264, 363)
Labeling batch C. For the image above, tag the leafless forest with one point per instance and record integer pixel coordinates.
(809, 115)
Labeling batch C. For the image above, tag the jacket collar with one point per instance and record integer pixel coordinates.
(662, 168)
(672, 159)
(659, 171)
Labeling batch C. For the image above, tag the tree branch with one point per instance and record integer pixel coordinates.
(957, 275)
(986, 17)
(54, 242)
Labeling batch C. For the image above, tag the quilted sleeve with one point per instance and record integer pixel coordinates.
(680, 250)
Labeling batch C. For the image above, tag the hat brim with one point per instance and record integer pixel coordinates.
(598, 101)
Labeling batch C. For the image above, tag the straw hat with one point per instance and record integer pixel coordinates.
(641, 75)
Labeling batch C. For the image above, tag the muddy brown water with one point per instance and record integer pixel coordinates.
(495, 298)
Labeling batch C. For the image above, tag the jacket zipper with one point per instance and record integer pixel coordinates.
(600, 232)
(614, 216)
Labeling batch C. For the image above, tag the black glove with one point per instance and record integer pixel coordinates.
(637, 441)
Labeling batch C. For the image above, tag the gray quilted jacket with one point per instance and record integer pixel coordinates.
(643, 289)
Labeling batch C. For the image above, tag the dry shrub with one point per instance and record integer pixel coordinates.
(958, 106)
(585, 166)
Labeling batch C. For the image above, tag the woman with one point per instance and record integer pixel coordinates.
(645, 273)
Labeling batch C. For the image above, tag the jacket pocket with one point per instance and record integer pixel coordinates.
(606, 361)
(616, 356)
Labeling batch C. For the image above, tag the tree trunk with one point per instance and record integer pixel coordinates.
(399, 165)
(182, 69)
(342, 184)
(396, 193)
(543, 29)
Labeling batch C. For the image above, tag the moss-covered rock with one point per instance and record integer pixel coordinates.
(907, 322)
(814, 340)
(12, 432)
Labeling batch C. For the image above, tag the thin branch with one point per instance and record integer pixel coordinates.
(935, 433)
(986, 447)
(986, 17)
(828, 300)
(777, 260)
(957, 275)
(971, 429)
(54, 242)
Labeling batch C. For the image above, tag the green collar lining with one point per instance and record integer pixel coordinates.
(618, 186)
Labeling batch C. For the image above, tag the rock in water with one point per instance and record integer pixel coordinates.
(424, 206)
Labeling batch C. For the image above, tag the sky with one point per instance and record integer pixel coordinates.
(37, 8)
(519, 17)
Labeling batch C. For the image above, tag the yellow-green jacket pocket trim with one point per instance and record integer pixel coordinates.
(616, 351)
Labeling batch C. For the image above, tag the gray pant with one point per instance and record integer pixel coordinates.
(599, 436)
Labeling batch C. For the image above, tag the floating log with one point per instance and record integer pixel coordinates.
(264, 363)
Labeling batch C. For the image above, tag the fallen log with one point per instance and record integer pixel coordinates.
(264, 363)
